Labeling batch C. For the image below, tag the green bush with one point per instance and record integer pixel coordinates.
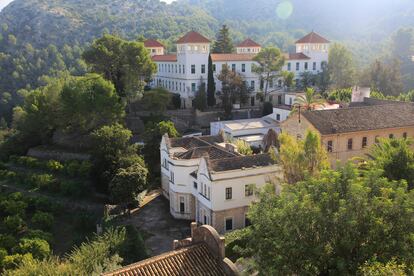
(43, 220)
(7, 241)
(26, 161)
(39, 248)
(133, 248)
(12, 207)
(13, 261)
(53, 165)
(74, 188)
(237, 244)
(3, 254)
(85, 168)
(44, 204)
(14, 224)
(45, 182)
(39, 234)
(72, 168)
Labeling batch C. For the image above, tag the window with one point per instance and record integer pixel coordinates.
(229, 224)
(183, 69)
(252, 84)
(172, 177)
(176, 68)
(233, 67)
(248, 189)
(391, 136)
(289, 66)
(350, 144)
(278, 117)
(306, 66)
(243, 67)
(179, 69)
(195, 185)
(203, 68)
(364, 142)
(192, 69)
(297, 66)
(405, 135)
(229, 193)
(214, 68)
(165, 163)
(205, 219)
(182, 205)
(193, 87)
(314, 66)
(330, 146)
(208, 194)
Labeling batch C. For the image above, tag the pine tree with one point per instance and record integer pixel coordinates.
(211, 85)
(223, 43)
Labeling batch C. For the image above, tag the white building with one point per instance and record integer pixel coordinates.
(250, 130)
(182, 71)
(154, 47)
(206, 180)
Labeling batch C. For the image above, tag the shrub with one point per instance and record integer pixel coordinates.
(43, 220)
(85, 168)
(39, 234)
(74, 188)
(12, 207)
(26, 161)
(54, 165)
(237, 244)
(7, 241)
(45, 182)
(44, 204)
(3, 254)
(13, 261)
(72, 168)
(14, 224)
(39, 248)
(133, 248)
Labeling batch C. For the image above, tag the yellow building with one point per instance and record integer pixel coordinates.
(349, 132)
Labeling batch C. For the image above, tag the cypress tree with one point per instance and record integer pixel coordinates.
(211, 85)
(223, 43)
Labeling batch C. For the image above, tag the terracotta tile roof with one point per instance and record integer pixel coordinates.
(297, 56)
(194, 260)
(312, 37)
(152, 43)
(195, 142)
(248, 43)
(364, 118)
(232, 57)
(192, 37)
(212, 151)
(167, 58)
(237, 163)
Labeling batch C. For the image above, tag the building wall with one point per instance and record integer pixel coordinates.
(279, 114)
(189, 205)
(340, 150)
(237, 214)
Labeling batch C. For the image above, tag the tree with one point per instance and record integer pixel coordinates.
(156, 100)
(126, 64)
(332, 224)
(243, 147)
(233, 89)
(385, 78)
(307, 79)
(211, 85)
(374, 268)
(309, 100)
(341, 67)
(200, 100)
(288, 79)
(152, 139)
(128, 183)
(89, 102)
(271, 61)
(39, 249)
(396, 158)
(301, 158)
(322, 78)
(223, 42)
(341, 95)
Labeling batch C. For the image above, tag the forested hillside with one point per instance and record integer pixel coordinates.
(40, 38)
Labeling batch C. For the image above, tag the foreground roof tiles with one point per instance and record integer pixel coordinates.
(364, 118)
(190, 261)
(192, 37)
(248, 43)
(312, 37)
(152, 43)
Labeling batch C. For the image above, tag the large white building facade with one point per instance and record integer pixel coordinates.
(207, 181)
(182, 71)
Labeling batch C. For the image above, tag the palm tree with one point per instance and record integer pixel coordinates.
(308, 101)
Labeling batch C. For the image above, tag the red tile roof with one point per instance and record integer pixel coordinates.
(248, 43)
(296, 56)
(232, 57)
(192, 37)
(167, 58)
(312, 38)
(193, 260)
(152, 43)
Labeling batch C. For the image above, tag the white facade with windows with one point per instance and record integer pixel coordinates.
(181, 72)
(209, 182)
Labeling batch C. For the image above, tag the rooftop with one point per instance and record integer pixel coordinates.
(195, 141)
(213, 152)
(248, 43)
(241, 162)
(312, 37)
(250, 123)
(232, 57)
(362, 118)
(297, 56)
(152, 43)
(167, 58)
(193, 37)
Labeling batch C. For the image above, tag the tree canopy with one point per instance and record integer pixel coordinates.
(223, 43)
(341, 67)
